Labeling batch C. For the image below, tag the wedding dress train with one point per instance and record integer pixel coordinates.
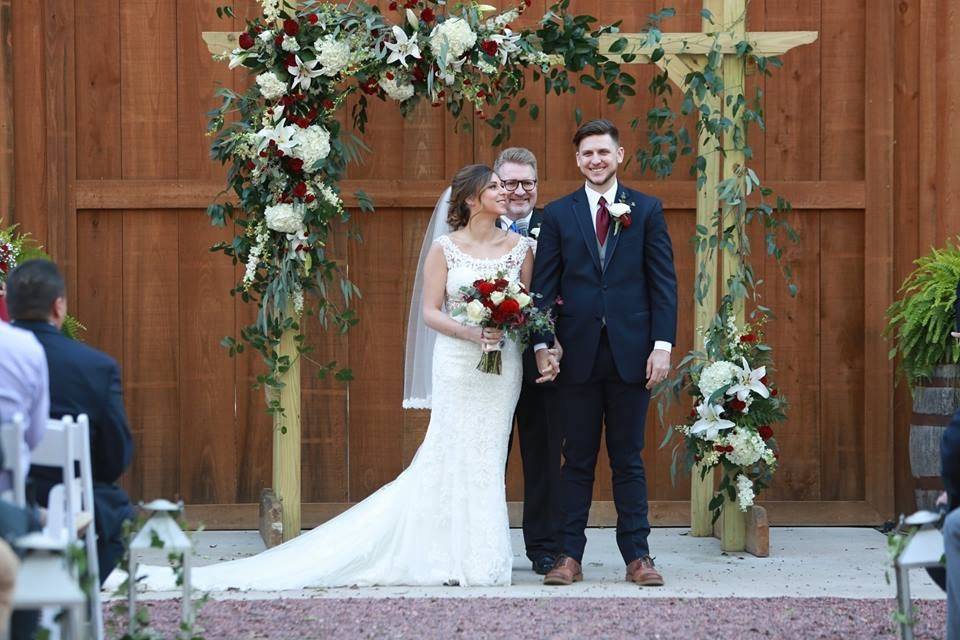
(444, 519)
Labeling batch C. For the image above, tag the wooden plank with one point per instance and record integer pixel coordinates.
(376, 355)
(29, 111)
(7, 131)
(912, 203)
(797, 362)
(770, 43)
(947, 60)
(663, 513)
(841, 395)
(148, 89)
(928, 125)
(206, 375)
(325, 464)
(151, 301)
(98, 91)
(878, 262)
(198, 78)
(793, 98)
(842, 90)
(398, 194)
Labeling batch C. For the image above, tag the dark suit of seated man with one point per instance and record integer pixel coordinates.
(82, 380)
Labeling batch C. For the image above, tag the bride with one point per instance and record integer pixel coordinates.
(444, 519)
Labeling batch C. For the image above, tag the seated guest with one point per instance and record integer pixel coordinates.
(950, 470)
(82, 380)
(24, 388)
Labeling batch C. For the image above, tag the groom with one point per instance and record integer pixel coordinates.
(605, 252)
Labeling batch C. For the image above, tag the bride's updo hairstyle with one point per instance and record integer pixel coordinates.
(468, 183)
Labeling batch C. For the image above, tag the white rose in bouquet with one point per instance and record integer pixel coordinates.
(523, 300)
(476, 312)
(497, 297)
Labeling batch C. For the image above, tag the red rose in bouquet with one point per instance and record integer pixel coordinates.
(504, 305)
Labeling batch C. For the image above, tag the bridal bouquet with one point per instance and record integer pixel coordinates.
(735, 406)
(505, 305)
(11, 246)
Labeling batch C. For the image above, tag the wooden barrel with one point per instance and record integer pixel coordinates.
(934, 403)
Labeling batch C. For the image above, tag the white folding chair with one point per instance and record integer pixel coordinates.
(11, 439)
(65, 443)
(923, 550)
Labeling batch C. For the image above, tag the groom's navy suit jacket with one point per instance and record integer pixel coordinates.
(634, 292)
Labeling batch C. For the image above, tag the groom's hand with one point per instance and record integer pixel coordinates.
(658, 366)
(547, 365)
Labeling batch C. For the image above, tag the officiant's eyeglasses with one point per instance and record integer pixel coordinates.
(511, 185)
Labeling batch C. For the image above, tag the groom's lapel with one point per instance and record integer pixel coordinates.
(581, 211)
(614, 238)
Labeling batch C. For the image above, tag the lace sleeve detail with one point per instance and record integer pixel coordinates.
(449, 251)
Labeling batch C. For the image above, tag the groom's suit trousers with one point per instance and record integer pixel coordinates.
(583, 410)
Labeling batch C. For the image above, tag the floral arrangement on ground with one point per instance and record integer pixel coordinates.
(735, 405)
(287, 149)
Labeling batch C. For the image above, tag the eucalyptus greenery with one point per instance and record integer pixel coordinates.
(920, 321)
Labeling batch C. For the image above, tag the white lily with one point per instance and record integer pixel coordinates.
(413, 20)
(281, 134)
(237, 56)
(747, 380)
(303, 73)
(485, 8)
(710, 423)
(403, 48)
(506, 44)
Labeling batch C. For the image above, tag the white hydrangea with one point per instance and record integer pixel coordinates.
(272, 9)
(298, 301)
(290, 44)
(333, 55)
(271, 87)
(715, 375)
(312, 145)
(395, 89)
(747, 447)
(456, 35)
(502, 20)
(285, 218)
(745, 494)
(711, 458)
(769, 457)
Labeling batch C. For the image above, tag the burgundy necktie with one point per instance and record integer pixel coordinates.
(603, 221)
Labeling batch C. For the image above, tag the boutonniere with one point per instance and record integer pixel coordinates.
(534, 233)
(621, 215)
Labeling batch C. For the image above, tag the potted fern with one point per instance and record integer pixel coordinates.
(919, 323)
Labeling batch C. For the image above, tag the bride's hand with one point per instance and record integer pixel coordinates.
(486, 337)
(556, 350)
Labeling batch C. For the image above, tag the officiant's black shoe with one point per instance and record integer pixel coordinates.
(642, 572)
(543, 564)
(564, 573)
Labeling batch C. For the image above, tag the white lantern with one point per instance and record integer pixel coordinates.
(163, 527)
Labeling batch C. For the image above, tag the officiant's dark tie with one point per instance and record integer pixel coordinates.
(603, 221)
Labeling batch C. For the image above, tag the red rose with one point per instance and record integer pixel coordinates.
(428, 15)
(328, 104)
(766, 432)
(774, 392)
(313, 18)
(370, 86)
(484, 287)
(748, 338)
(501, 284)
(246, 40)
(278, 40)
(291, 27)
(300, 190)
(418, 74)
(290, 60)
(737, 405)
(392, 6)
(295, 164)
(626, 221)
(489, 47)
(507, 311)
(310, 198)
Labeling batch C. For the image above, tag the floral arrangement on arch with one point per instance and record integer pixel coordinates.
(287, 150)
(735, 405)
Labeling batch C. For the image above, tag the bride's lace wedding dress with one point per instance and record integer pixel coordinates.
(444, 519)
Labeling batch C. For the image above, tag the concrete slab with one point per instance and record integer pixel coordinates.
(841, 562)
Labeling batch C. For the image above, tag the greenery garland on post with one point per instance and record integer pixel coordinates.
(730, 373)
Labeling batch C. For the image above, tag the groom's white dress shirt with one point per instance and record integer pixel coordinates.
(24, 388)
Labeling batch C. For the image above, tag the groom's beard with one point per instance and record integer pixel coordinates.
(598, 181)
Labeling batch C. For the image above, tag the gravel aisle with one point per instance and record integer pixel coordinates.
(555, 618)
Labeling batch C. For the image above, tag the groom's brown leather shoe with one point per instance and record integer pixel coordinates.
(565, 572)
(642, 572)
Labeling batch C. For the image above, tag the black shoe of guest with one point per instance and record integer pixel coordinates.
(543, 564)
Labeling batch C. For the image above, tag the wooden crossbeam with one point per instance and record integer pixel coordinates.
(767, 43)
(221, 43)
